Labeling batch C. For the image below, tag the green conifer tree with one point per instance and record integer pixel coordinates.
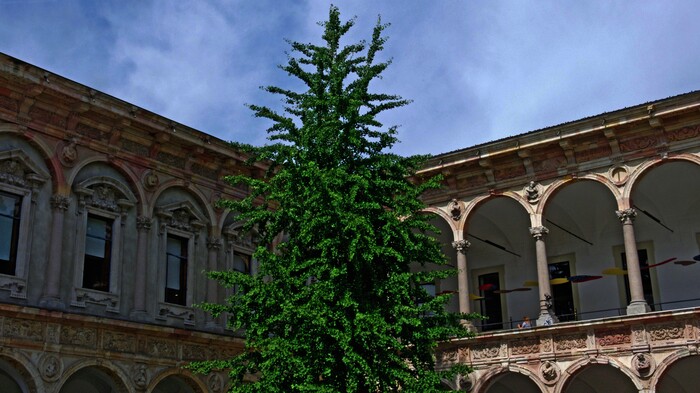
(337, 305)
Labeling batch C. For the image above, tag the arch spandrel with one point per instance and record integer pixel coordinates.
(556, 186)
(642, 170)
(580, 365)
(484, 381)
(667, 365)
(186, 376)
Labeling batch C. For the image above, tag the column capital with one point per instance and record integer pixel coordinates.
(60, 202)
(461, 245)
(213, 243)
(143, 223)
(539, 232)
(626, 215)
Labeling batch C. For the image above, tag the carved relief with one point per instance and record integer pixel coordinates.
(143, 223)
(198, 352)
(13, 172)
(550, 372)
(447, 358)
(161, 348)
(215, 383)
(485, 351)
(641, 143)
(60, 202)
(627, 215)
(69, 153)
(638, 334)
(532, 192)
(24, 329)
(52, 333)
(15, 285)
(455, 209)
(524, 346)
(83, 296)
(613, 337)
(118, 342)
(180, 219)
(539, 232)
(683, 133)
(643, 364)
(213, 243)
(151, 180)
(663, 332)
(80, 336)
(139, 376)
(573, 341)
(172, 311)
(50, 367)
(546, 344)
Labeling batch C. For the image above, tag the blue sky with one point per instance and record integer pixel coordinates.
(475, 70)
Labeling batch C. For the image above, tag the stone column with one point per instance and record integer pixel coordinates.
(143, 227)
(51, 297)
(462, 282)
(638, 304)
(547, 316)
(213, 244)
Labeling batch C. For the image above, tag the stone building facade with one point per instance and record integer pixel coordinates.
(590, 230)
(108, 218)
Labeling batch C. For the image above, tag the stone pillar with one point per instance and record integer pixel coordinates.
(462, 282)
(143, 226)
(638, 304)
(213, 244)
(51, 297)
(547, 316)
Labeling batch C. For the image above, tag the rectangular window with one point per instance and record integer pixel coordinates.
(98, 252)
(10, 208)
(491, 303)
(176, 270)
(562, 293)
(646, 277)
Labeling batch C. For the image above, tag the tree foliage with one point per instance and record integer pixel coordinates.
(337, 304)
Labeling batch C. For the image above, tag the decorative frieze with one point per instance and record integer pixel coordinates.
(159, 348)
(485, 351)
(118, 342)
(666, 332)
(612, 337)
(569, 342)
(641, 143)
(24, 329)
(524, 346)
(79, 336)
(683, 133)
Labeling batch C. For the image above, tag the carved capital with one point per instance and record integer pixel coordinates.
(461, 245)
(143, 223)
(213, 243)
(60, 202)
(539, 232)
(627, 215)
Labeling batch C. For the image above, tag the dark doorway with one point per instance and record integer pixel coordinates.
(491, 302)
(562, 294)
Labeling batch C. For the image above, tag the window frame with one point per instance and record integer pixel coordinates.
(27, 188)
(88, 205)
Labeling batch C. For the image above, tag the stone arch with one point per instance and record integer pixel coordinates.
(133, 182)
(445, 217)
(667, 365)
(201, 199)
(183, 376)
(559, 184)
(104, 371)
(647, 166)
(579, 366)
(47, 152)
(19, 369)
(493, 374)
(480, 201)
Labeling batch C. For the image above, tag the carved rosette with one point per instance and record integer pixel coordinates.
(461, 245)
(50, 367)
(627, 215)
(643, 364)
(455, 208)
(550, 373)
(60, 202)
(539, 232)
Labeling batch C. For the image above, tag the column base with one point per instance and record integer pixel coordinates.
(547, 318)
(638, 307)
(52, 303)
